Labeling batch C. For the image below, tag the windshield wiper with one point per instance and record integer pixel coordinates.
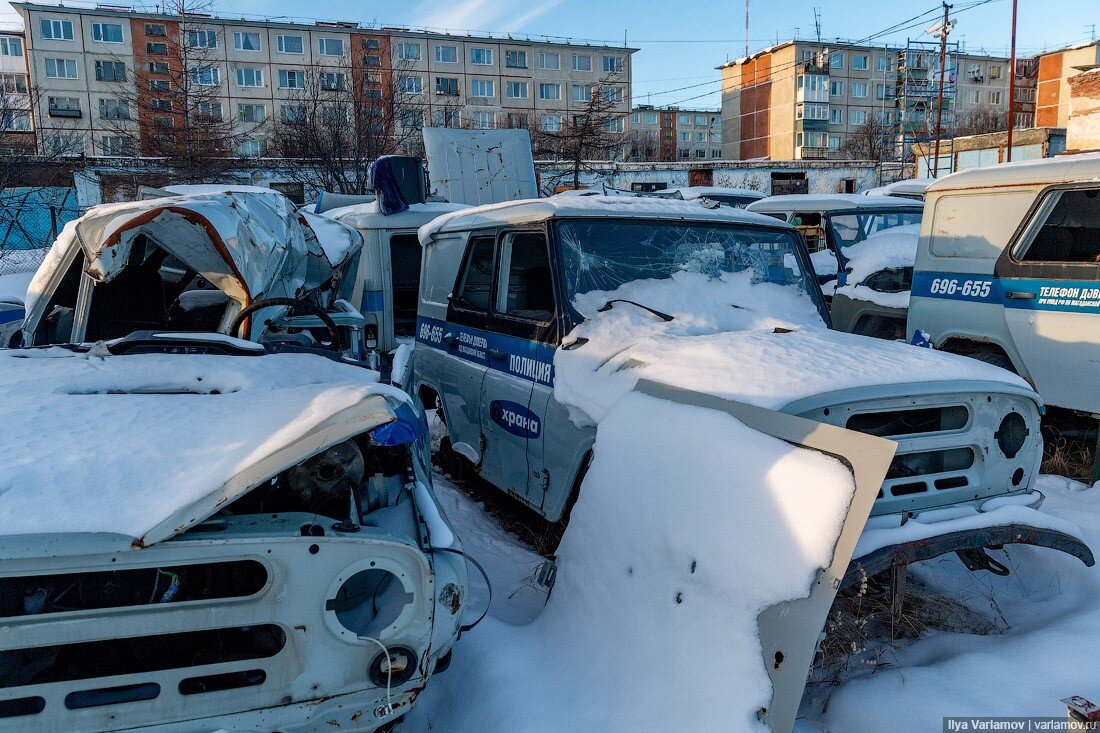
(607, 306)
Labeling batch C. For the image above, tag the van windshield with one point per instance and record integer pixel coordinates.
(852, 227)
(604, 254)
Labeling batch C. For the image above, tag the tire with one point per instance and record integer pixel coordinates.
(995, 358)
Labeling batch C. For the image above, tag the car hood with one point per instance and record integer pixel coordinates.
(247, 243)
(757, 343)
(109, 453)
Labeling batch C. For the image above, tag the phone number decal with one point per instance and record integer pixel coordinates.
(956, 287)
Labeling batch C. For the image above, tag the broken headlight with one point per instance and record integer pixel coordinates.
(1011, 434)
(896, 280)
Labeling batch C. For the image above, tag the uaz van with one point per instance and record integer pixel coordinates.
(504, 286)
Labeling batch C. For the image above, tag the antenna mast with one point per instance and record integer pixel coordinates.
(746, 28)
(817, 23)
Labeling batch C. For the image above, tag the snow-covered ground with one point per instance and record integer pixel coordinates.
(1050, 602)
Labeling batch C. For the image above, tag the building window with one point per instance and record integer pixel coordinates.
(484, 120)
(155, 29)
(250, 148)
(372, 93)
(880, 91)
(202, 39)
(160, 85)
(372, 61)
(683, 136)
(446, 86)
(613, 95)
(580, 93)
(156, 49)
(373, 77)
(836, 115)
(550, 91)
(162, 105)
(446, 54)
(12, 83)
(290, 79)
(64, 107)
(582, 62)
(976, 96)
(57, 30)
(116, 145)
(408, 51)
(107, 32)
(995, 97)
(411, 119)
(859, 62)
(994, 71)
(158, 67)
(290, 44)
(549, 61)
(612, 64)
(243, 41)
(11, 46)
(516, 89)
(699, 153)
(616, 125)
(715, 153)
(858, 117)
(60, 68)
(370, 44)
(880, 63)
(330, 46)
(481, 56)
(700, 137)
(447, 118)
(551, 123)
(333, 81)
(517, 121)
(683, 119)
(836, 88)
(110, 71)
(410, 84)
(515, 59)
(834, 140)
(205, 76)
(859, 89)
(650, 118)
(209, 111)
(836, 61)
(250, 77)
(15, 121)
(716, 137)
(482, 88)
(812, 112)
(292, 113)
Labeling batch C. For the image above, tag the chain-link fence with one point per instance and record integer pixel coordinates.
(30, 219)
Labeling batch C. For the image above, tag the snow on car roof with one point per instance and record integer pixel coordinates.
(694, 192)
(830, 201)
(1062, 169)
(911, 186)
(133, 449)
(368, 216)
(534, 210)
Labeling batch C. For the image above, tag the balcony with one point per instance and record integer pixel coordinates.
(807, 152)
(812, 95)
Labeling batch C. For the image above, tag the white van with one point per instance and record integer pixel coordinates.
(1008, 271)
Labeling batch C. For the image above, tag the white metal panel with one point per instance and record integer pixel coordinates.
(480, 166)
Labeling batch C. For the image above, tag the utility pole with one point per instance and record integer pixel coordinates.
(944, 30)
(1011, 87)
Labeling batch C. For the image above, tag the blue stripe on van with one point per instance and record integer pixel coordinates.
(372, 301)
(16, 314)
(521, 358)
(1069, 296)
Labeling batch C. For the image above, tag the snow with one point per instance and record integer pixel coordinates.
(336, 239)
(202, 189)
(642, 572)
(102, 448)
(894, 248)
(824, 262)
(1051, 605)
(371, 207)
(695, 192)
(723, 341)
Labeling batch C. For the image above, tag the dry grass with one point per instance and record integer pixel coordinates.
(1066, 455)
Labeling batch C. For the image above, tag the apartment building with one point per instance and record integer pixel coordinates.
(1055, 70)
(15, 102)
(105, 77)
(671, 133)
(802, 100)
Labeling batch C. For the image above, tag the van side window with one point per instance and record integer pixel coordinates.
(1070, 233)
(528, 291)
(405, 276)
(476, 280)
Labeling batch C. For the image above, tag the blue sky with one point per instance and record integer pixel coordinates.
(682, 41)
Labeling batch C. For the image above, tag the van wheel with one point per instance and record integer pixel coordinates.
(995, 358)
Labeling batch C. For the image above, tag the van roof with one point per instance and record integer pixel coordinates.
(368, 216)
(831, 202)
(537, 210)
(1061, 169)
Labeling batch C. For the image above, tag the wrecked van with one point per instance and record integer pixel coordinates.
(240, 261)
(521, 303)
(1008, 271)
(285, 567)
(862, 248)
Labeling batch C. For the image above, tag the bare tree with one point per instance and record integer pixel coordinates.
(870, 141)
(644, 146)
(593, 134)
(342, 118)
(982, 120)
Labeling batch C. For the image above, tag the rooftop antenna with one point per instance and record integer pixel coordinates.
(1092, 31)
(746, 28)
(817, 23)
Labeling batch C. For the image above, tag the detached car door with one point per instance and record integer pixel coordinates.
(1050, 287)
(522, 324)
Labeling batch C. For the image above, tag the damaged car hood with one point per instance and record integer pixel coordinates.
(106, 453)
(247, 242)
(759, 343)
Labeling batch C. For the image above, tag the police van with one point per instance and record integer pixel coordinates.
(1008, 271)
(504, 286)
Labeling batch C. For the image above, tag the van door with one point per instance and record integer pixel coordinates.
(520, 356)
(464, 346)
(403, 274)
(1050, 287)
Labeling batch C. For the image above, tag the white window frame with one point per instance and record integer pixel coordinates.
(254, 106)
(239, 39)
(209, 39)
(477, 86)
(856, 87)
(546, 86)
(405, 51)
(60, 29)
(257, 76)
(545, 56)
(858, 59)
(324, 50)
(280, 44)
(486, 54)
(551, 122)
(480, 118)
(410, 84)
(576, 59)
(11, 46)
(195, 75)
(286, 75)
(613, 64)
(836, 115)
(511, 86)
(440, 47)
(580, 92)
(62, 66)
(838, 85)
(98, 28)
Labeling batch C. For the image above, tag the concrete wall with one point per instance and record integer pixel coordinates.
(1055, 70)
(1083, 126)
